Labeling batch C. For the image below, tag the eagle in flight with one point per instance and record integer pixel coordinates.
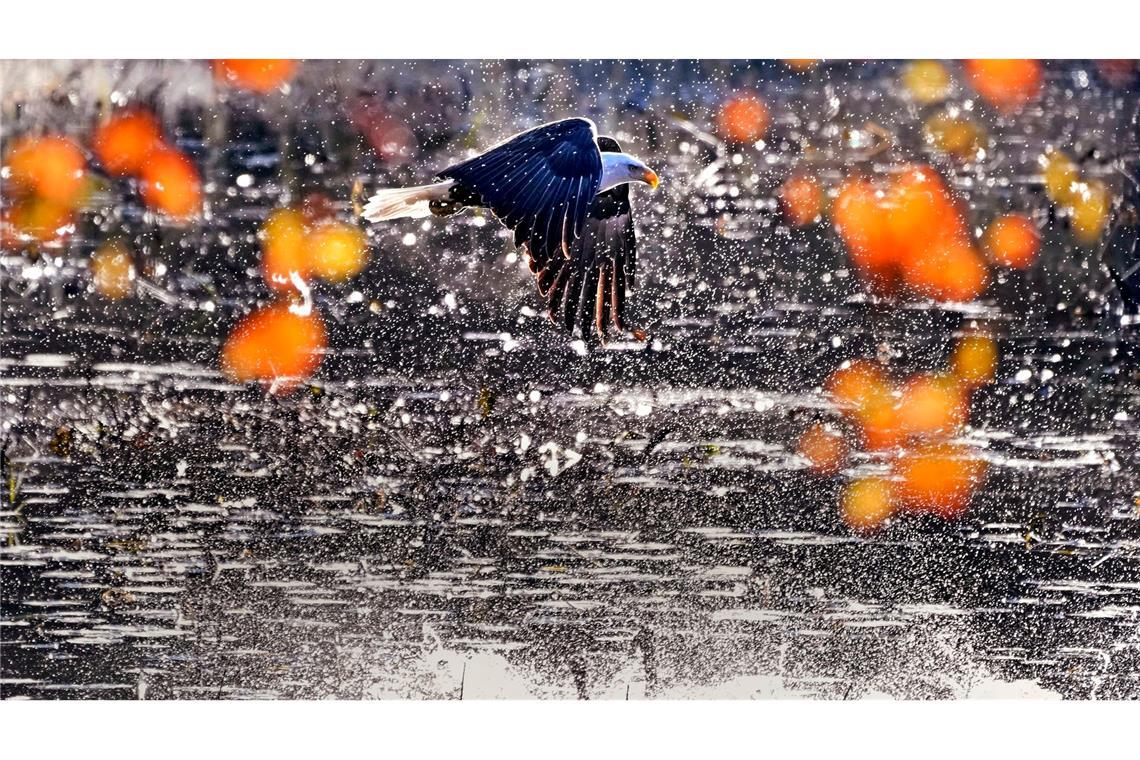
(564, 191)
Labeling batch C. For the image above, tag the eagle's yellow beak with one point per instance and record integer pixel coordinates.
(651, 178)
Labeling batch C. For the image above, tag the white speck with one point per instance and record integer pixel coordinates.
(304, 308)
(410, 239)
(534, 397)
(1023, 376)
(244, 180)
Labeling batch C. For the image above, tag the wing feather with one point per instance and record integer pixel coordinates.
(602, 264)
(562, 157)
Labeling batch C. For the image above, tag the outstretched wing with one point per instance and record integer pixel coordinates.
(539, 184)
(592, 284)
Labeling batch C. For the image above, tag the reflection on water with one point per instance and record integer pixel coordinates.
(467, 504)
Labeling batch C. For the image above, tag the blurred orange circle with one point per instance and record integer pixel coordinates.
(865, 394)
(124, 142)
(861, 218)
(52, 167)
(1061, 176)
(113, 271)
(170, 183)
(1090, 208)
(940, 478)
(932, 405)
(284, 248)
(975, 359)
(274, 345)
(743, 118)
(36, 219)
(261, 75)
(1012, 240)
(802, 64)
(921, 213)
(1007, 84)
(858, 385)
(950, 271)
(337, 251)
(802, 199)
(866, 504)
(824, 449)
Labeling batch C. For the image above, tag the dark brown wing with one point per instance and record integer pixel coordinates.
(592, 285)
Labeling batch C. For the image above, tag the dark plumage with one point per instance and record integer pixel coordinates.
(544, 185)
(592, 283)
(538, 184)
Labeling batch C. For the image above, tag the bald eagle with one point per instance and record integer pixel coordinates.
(564, 192)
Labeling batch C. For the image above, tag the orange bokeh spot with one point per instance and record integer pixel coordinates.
(34, 219)
(858, 385)
(112, 271)
(861, 218)
(940, 478)
(283, 248)
(916, 226)
(52, 167)
(1012, 240)
(957, 136)
(1007, 84)
(260, 75)
(1089, 215)
(274, 345)
(866, 395)
(825, 449)
(974, 361)
(743, 118)
(1060, 175)
(802, 64)
(126, 140)
(932, 405)
(926, 81)
(802, 199)
(880, 427)
(951, 271)
(170, 183)
(867, 504)
(922, 213)
(337, 250)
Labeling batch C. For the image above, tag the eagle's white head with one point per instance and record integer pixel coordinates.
(621, 168)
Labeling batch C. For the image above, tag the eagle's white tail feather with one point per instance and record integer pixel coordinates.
(401, 202)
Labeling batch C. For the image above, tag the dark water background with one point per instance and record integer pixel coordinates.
(467, 503)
